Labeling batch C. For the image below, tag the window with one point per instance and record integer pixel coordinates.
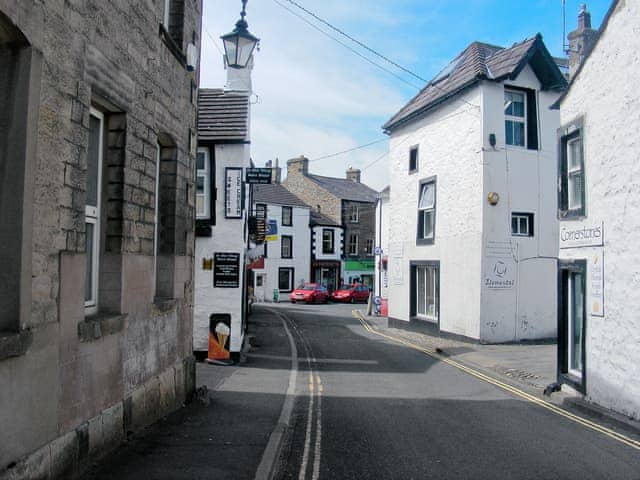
(413, 159)
(328, 241)
(368, 248)
(572, 178)
(427, 212)
(425, 290)
(92, 210)
(173, 21)
(285, 279)
(286, 246)
(156, 219)
(287, 216)
(514, 118)
(354, 214)
(352, 246)
(203, 184)
(522, 224)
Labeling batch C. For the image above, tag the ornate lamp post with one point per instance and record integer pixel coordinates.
(240, 43)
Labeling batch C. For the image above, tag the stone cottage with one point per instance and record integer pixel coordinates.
(97, 150)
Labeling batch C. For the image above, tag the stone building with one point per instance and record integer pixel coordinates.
(349, 203)
(97, 149)
(598, 207)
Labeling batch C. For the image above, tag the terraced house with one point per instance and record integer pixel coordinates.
(97, 155)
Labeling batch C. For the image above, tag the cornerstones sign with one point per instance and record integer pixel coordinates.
(500, 266)
(575, 235)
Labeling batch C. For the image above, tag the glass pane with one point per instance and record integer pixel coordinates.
(245, 48)
(518, 134)
(200, 205)
(576, 187)
(421, 293)
(431, 292)
(514, 225)
(514, 104)
(93, 161)
(428, 224)
(88, 279)
(283, 279)
(524, 226)
(427, 196)
(577, 322)
(200, 184)
(575, 154)
(200, 161)
(508, 131)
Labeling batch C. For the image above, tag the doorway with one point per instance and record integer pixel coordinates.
(572, 323)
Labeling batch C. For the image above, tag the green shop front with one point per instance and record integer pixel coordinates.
(359, 271)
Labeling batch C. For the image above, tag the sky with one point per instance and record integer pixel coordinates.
(314, 97)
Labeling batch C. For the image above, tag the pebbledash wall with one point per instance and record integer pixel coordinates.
(470, 234)
(609, 112)
(73, 384)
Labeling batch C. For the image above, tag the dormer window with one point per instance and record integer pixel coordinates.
(514, 118)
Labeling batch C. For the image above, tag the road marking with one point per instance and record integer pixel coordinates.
(505, 386)
(272, 450)
(308, 432)
(318, 444)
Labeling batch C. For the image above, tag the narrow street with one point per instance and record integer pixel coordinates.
(364, 407)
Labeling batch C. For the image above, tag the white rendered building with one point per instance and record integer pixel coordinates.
(472, 221)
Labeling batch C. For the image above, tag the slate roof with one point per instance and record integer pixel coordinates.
(321, 219)
(481, 61)
(276, 194)
(346, 189)
(223, 116)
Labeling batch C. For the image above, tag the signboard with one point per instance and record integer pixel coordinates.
(377, 251)
(575, 235)
(259, 176)
(226, 270)
(233, 192)
(596, 283)
(500, 266)
(271, 234)
(219, 333)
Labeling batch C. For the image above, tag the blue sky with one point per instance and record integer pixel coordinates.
(314, 97)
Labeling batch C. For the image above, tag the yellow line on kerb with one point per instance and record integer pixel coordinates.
(509, 388)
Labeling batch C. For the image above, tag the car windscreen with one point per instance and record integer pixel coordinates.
(308, 287)
(345, 287)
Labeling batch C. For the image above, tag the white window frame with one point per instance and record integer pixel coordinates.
(166, 14)
(574, 171)
(331, 232)
(368, 248)
(422, 271)
(291, 274)
(519, 232)
(290, 222)
(515, 118)
(286, 251)
(206, 193)
(93, 216)
(353, 245)
(425, 210)
(354, 215)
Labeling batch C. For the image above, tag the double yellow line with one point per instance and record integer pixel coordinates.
(504, 386)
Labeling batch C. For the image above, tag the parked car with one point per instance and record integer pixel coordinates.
(309, 293)
(351, 293)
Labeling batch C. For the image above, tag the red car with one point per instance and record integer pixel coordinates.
(351, 293)
(309, 293)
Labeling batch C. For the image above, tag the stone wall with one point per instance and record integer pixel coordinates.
(66, 373)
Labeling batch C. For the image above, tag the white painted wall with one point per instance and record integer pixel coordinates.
(526, 181)
(228, 236)
(301, 260)
(338, 239)
(454, 146)
(611, 111)
(381, 280)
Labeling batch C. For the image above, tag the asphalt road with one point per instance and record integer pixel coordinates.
(344, 403)
(368, 408)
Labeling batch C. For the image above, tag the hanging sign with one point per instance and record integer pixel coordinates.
(233, 192)
(271, 234)
(573, 235)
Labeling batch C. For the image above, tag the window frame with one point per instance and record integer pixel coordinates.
(289, 239)
(414, 160)
(353, 252)
(93, 216)
(205, 173)
(332, 249)
(369, 247)
(288, 223)
(291, 272)
(420, 238)
(573, 132)
(354, 214)
(530, 224)
(514, 118)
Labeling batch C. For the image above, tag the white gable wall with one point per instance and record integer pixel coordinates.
(605, 94)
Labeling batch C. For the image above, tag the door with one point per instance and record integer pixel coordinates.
(572, 323)
(259, 289)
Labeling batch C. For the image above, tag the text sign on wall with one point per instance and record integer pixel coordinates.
(596, 283)
(226, 270)
(581, 235)
(233, 192)
(500, 265)
(260, 176)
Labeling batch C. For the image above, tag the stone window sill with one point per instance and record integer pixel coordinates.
(14, 344)
(100, 325)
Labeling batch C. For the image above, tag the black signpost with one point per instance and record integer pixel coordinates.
(226, 270)
(258, 176)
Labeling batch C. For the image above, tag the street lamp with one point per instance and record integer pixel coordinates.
(239, 44)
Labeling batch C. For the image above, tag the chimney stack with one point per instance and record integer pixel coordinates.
(239, 79)
(276, 172)
(581, 40)
(353, 174)
(298, 166)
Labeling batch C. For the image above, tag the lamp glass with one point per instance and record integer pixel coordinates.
(238, 47)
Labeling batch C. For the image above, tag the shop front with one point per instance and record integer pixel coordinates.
(326, 273)
(359, 271)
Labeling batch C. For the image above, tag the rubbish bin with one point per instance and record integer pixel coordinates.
(276, 295)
